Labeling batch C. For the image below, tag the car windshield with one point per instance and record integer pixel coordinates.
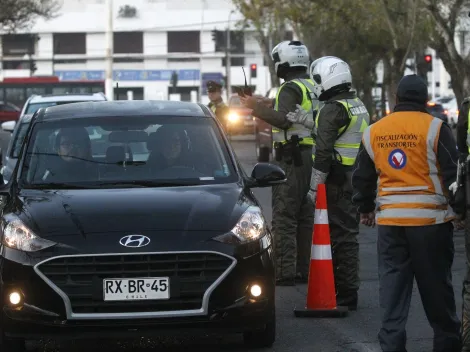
(32, 108)
(122, 151)
(19, 138)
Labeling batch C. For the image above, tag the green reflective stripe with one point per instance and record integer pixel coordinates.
(468, 131)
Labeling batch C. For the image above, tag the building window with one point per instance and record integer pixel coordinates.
(183, 59)
(128, 42)
(184, 42)
(235, 61)
(16, 65)
(69, 43)
(237, 46)
(18, 44)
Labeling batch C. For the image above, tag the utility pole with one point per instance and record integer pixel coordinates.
(109, 88)
(228, 59)
(201, 86)
(433, 75)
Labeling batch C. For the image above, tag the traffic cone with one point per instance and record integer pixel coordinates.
(321, 292)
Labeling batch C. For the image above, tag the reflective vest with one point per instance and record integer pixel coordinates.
(347, 145)
(468, 131)
(403, 146)
(309, 103)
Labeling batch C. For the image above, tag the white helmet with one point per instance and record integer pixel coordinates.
(329, 72)
(290, 54)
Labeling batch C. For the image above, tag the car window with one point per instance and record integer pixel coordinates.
(32, 108)
(105, 151)
(19, 138)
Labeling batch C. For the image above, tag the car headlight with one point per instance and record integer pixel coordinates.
(250, 227)
(233, 117)
(17, 235)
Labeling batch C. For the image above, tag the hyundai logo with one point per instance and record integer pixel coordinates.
(134, 241)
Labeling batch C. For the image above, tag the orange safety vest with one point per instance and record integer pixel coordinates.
(403, 146)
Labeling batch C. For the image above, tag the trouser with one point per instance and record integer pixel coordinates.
(425, 253)
(344, 229)
(466, 291)
(292, 222)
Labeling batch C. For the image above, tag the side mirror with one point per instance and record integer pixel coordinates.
(8, 126)
(266, 175)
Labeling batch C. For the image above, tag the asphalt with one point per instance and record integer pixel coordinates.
(354, 333)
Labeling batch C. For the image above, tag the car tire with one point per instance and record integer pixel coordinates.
(262, 338)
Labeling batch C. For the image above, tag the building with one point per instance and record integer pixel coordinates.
(152, 39)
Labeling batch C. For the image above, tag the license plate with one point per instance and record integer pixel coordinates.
(151, 288)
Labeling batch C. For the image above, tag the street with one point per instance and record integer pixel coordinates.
(355, 333)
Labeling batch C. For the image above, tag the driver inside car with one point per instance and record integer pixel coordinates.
(74, 161)
(169, 147)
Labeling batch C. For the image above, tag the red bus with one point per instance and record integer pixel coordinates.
(18, 90)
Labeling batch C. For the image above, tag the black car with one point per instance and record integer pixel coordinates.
(437, 110)
(133, 218)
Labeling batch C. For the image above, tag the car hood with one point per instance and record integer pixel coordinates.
(214, 208)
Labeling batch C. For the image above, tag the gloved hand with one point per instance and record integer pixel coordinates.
(301, 117)
(312, 196)
(453, 188)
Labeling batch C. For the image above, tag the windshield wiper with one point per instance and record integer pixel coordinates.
(57, 185)
(155, 183)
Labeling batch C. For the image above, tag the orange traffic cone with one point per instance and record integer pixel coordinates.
(321, 292)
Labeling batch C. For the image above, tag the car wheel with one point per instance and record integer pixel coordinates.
(262, 338)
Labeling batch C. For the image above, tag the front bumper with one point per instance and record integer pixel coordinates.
(58, 309)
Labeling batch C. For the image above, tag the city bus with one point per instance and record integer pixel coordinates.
(18, 89)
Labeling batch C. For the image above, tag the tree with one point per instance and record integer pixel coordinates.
(449, 16)
(269, 26)
(18, 14)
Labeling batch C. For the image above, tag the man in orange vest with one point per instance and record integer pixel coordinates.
(413, 157)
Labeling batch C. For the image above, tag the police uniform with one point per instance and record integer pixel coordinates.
(412, 155)
(463, 144)
(219, 108)
(293, 213)
(337, 136)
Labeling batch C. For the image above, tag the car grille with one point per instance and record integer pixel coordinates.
(81, 279)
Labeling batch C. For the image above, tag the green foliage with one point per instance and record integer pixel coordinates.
(19, 14)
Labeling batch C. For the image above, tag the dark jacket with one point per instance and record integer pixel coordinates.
(364, 178)
(332, 117)
(462, 127)
(289, 96)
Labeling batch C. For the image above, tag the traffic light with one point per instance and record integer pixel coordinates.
(428, 62)
(32, 66)
(253, 68)
(215, 35)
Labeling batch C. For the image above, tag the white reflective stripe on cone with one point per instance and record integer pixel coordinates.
(321, 216)
(320, 252)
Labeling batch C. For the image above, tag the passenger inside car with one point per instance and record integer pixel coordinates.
(74, 161)
(169, 146)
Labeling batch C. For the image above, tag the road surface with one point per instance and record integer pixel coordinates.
(355, 333)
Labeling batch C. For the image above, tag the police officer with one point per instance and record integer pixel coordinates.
(216, 104)
(413, 156)
(337, 131)
(463, 145)
(293, 212)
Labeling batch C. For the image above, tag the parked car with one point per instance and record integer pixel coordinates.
(239, 119)
(263, 134)
(437, 110)
(9, 111)
(35, 102)
(452, 109)
(110, 243)
(19, 130)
